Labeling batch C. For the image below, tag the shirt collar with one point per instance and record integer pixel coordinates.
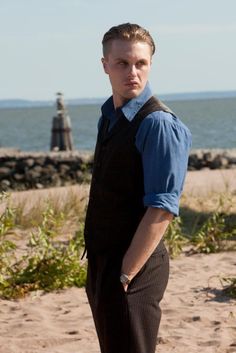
(131, 108)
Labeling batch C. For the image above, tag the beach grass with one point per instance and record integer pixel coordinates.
(41, 238)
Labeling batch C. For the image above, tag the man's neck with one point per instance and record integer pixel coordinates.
(119, 101)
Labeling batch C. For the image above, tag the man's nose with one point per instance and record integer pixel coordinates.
(132, 70)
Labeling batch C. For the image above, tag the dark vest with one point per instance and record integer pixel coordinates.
(115, 205)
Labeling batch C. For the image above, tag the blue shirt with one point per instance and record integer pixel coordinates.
(164, 143)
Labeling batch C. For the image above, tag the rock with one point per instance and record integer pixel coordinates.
(208, 157)
(38, 169)
(40, 161)
(32, 175)
(18, 177)
(219, 162)
(20, 166)
(194, 162)
(79, 175)
(49, 170)
(5, 172)
(5, 184)
(232, 160)
(24, 170)
(10, 164)
(64, 168)
(29, 162)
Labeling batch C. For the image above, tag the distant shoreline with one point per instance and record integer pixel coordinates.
(28, 103)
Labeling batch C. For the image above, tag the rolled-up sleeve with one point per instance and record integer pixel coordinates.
(164, 143)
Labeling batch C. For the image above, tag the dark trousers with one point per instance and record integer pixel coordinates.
(127, 322)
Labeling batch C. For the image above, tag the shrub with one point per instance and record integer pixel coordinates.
(174, 239)
(48, 263)
(210, 237)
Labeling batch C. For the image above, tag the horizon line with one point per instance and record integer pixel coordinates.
(233, 91)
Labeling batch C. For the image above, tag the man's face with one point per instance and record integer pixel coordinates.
(128, 64)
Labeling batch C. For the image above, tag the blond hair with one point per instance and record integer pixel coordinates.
(128, 32)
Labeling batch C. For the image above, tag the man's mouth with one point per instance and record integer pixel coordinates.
(131, 84)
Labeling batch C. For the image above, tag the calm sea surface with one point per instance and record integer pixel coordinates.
(212, 123)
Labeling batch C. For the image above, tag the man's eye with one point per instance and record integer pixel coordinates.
(141, 63)
(122, 63)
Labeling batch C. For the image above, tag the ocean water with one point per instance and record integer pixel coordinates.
(211, 121)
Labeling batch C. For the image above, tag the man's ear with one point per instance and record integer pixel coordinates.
(104, 64)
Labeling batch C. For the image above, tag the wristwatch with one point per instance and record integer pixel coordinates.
(124, 279)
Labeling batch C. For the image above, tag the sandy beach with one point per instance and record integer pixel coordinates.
(196, 317)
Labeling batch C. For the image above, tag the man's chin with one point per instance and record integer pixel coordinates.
(132, 93)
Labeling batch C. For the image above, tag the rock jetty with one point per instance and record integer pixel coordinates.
(35, 170)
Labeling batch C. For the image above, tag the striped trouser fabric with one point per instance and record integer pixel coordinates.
(127, 322)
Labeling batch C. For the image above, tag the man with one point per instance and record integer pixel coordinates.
(140, 164)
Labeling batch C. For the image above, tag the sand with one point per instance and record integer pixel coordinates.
(205, 182)
(196, 317)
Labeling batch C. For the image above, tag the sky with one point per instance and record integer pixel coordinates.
(48, 46)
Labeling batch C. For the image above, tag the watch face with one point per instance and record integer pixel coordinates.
(124, 279)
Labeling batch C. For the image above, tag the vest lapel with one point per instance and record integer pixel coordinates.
(118, 127)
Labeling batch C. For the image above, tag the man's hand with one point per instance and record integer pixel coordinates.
(125, 286)
(125, 281)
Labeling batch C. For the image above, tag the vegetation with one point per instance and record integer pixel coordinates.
(52, 234)
(210, 238)
(210, 223)
(203, 232)
(47, 264)
(174, 238)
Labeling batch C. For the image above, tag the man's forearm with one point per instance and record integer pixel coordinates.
(147, 236)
